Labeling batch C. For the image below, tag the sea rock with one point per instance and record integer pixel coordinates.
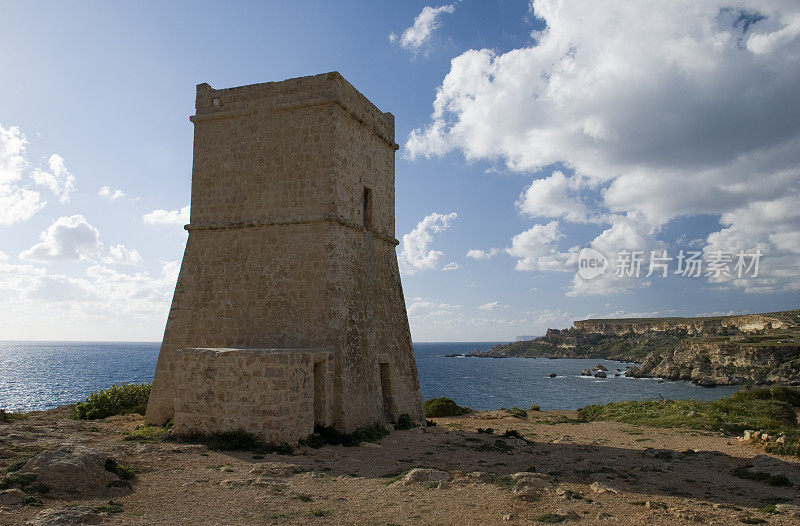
(599, 367)
(586, 372)
(422, 475)
(600, 374)
(553, 375)
(67, 516)
(12, 497)
(76, 469)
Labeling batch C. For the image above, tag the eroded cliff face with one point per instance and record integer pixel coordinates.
(723, 350)
(712, 363)
(693, 326)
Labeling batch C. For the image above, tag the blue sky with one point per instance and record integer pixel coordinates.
(527, 132)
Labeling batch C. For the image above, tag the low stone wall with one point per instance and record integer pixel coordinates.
(276, 394)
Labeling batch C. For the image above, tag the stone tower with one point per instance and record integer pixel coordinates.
(288, 311)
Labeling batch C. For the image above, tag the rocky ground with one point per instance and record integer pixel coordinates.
(598, 472)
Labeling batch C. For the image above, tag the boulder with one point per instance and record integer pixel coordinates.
(553, 375)
(600, 374)
(599, 367)
(423, 475)
(12, 497)
(586, 372)
(748, 435)
(773, 467)
(67, 516)
(531, 486)
(74, 470)
(599, 487)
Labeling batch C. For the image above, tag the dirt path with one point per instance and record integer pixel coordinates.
(643, 475)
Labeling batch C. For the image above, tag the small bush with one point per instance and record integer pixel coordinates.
(516, 412)
(404, 422)
(121, 470)
(238, 440)
(535, 407)
(329, 435)
(148, 433)
(17, 479)
(17, 464)
(111, 507)
(436, 407)
(6, 417)
(116, 400)
(512, 433)
(505, 482)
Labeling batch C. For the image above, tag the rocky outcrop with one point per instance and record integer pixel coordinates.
(693, 326)
(711, 363)
(74, 470)
(723, 350)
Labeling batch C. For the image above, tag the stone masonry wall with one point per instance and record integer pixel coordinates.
(267, 392)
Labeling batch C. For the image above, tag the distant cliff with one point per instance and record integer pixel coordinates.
(720, 350)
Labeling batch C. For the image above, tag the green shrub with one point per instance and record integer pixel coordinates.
(516, 412)
(116, 400)
(535, 407)
(238, 440)
(148, 433)
(435, 407)
(17, 464)
(512, 433)
(6, 417)
(769, 409)
(111, 507)
(17, 479)
(404, 422)
(121, 470)
(330, 435)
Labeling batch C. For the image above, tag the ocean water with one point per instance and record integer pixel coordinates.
(42, 375)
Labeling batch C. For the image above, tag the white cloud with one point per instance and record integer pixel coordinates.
(661, 111)
(100, 304)
(110, 193)
(536, 249)
(415, 253)
(419, 34)
(68, 238)
(168, 217)
(554, 197)
(17, 202)
(58, 179)
(492, 306)
(475, 253)
(121, 255)
(451, 266)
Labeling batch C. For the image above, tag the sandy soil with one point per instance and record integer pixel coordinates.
(188, 484)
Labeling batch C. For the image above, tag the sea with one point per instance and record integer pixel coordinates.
(43, 375)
